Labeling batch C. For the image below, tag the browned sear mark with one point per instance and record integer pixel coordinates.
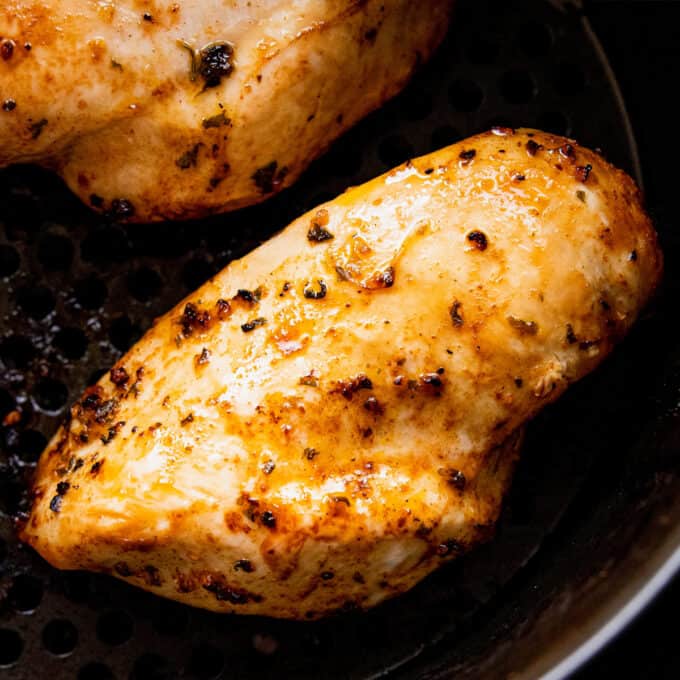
(269, 177)
(571, 336)
(194, 318)
(583, 172)
(310, 453)
(430, 382)
(7, 49)
(533, 147)
(523, 327)
(454, 477)
(223, 309)
(467, 156)
(478, 239)
(203, 358)
(312, 293)
(568, 151)
(62, 489)
(455, 313)
(218, 120)
(225, 593)
(112, 433)
(35, 128)
(189, 159)
(252, 325)
(349, 387)
(250, 296)
(151, 575)
(244, 565)
(119, 376)
(372, 405)
(317, 232)
(378, 280)
(449, 547)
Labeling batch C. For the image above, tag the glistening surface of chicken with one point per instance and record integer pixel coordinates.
(160, 110)
(338, 413)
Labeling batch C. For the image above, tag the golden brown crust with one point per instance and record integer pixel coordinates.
(112, 105)
(333, 415)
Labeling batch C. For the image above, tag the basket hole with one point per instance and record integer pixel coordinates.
(31, 444)
(144, 284)
(17, 351)
(569, 79)
(25, 594)
(90, 293)
(60, 637)
(535, 39)
(317, 643)
(36, 301)
(196, 272)
(50, 394)
(123, 333)
(109, 244)
(465, 95)
(151, 667)
(11, 646)
(517, 87)
(206, 662)
(95, 671)
(394, 150)
(71, 342)
(445, 136)
(114, 628)
(55, 252)
(265, 644)
(555, 122)
(9, 260)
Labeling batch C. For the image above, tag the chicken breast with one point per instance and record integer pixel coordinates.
(338, 413)
(157, 110)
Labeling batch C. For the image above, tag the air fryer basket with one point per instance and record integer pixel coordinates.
(585, 523)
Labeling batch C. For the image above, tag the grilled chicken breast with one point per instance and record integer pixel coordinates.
(338, 413)
(165, 110)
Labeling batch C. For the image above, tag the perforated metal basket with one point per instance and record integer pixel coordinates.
(76, 291)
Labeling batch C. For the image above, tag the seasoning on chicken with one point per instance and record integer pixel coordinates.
(336, 447)
(155, 111)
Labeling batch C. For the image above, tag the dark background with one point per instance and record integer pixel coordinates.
(642, 40)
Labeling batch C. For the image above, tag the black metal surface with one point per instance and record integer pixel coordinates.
(77, 292)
